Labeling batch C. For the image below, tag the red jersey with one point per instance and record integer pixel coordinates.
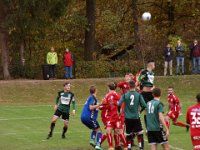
(136, 79)
(112, 99)
(193, 118)
(104, 113)
(124, 86)
(174, 103)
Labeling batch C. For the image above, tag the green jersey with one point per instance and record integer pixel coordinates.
(133, 101)
(154, 107)
(64, 100)
(146, 78)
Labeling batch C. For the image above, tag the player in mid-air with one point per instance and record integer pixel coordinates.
(193, 118)
(133, 101)
(113, 119)
(62, 108)
(174, 109)
(89, 118)
(123, 85)
(156, 122)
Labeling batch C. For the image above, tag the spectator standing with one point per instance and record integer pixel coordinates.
(52, 61)
(68, 63)
(195, 56)
(179, 57)
(168, 59)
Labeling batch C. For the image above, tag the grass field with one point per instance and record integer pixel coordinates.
(26, 108)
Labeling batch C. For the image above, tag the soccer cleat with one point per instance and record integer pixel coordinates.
(187, 128)
(92, 143)
(49, 136)
(118, 148)
(98, 147)
(63, 136)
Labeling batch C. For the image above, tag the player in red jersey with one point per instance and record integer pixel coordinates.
(113, 118)
(123, 85)
(174, 109)
(193, 118)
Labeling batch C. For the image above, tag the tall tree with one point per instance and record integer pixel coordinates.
(90, 29)
(4, 40)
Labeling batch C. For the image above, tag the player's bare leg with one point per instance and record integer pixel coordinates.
(165, 146)
(153, 146)
(66, 123)
(122, 138)
(53, 122)
(109, 138)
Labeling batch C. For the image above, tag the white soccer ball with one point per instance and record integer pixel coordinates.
(146, 16)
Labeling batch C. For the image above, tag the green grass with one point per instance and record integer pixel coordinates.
(27, 107)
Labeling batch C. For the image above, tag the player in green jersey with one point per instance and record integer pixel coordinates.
(132, 103)
(156, 122)
(62, 108)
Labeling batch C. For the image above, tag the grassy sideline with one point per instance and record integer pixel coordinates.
(26, 110)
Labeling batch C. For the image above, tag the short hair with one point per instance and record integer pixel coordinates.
(66, 83)
(92, 89)
(170, 87)
(150, 61)
(112, 86)
(131, 84)
(198, 97)
(156, 92)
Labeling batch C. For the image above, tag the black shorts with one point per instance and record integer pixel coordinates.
(65, 116)
(133, 126)
(157, 137)
(148, 96)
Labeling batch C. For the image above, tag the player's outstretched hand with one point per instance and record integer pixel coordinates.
(73, 113)
(55, 107)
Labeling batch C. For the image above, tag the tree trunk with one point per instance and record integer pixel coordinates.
(90, 30)
(4, 42)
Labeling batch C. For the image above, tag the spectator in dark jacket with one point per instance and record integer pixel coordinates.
(195, 56)
(179, 57)
(168, 59)
(68, 63)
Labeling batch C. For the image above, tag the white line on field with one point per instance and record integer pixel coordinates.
(37, 105)
(29, 118)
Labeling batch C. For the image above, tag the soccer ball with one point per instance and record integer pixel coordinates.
(146, 16)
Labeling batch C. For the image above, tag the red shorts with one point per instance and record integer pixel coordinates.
(196, 142)
(173, 115)
(114, 124)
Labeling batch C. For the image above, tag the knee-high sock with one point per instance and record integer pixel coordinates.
(141, 141)
(64, 130)
(93, 135)
(116, 138)
(99, 136)
(123, 139)
(51, 128)
(104, 136)
(109, 137)
(180, 124)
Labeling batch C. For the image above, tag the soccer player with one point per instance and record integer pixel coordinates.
(133, 100)
(136, 79)
(146, 79)
(174, 109)
(113, 119)
(62, 108)
(156, 122)
(89, 118)
(193, 118)
(123, 85)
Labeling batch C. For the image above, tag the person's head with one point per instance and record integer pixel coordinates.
(198, 97)
(67, 86)
(93, 90)
(131, 84)
(168, 45)
(151, 65)
(179, 42)
(156, 92)
(195, 42)
(127, 78)
(67, 49)
(131, 76)
(170, 90)
(52, 49)
(112, 86)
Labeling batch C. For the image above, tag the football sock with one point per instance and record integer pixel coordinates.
(109, 137)
(128, 139)
(141, 141)
(99, 135)
(103, 138)
(64, 130)
(93, 135)
(116, 138)
(180, 124)
(51, 128)
(123, 139)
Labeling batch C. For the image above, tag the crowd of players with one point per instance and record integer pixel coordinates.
(120, 113)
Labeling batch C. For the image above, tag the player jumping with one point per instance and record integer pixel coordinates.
(62, 108)
(89, 118)
(174, 109)
(193, 118)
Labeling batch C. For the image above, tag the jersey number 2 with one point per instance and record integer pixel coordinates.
(132, 97)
